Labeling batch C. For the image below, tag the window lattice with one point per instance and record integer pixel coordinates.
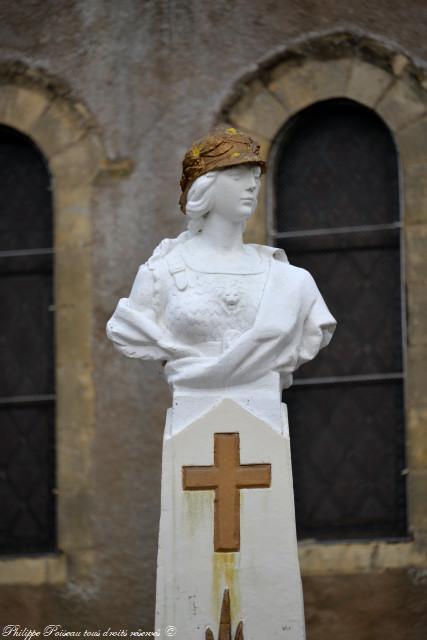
(337, 215)
(27, 409)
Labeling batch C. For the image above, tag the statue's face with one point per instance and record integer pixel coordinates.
(236, 192)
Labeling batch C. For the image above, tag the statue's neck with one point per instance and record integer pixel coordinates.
(220, 234)
(199, 256)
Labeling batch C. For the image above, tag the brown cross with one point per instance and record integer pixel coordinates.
(227, 477)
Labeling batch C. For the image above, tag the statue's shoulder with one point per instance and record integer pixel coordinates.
(167, 253)
(280, 261)
(284, 269)
(168, 269)
(272, 253)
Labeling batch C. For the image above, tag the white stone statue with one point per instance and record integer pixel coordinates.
(218, 311)
(232, 322)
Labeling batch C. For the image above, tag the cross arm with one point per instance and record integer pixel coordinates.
(253, 476)
(194, 478)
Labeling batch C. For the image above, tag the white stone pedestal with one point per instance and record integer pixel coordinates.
(262, 575)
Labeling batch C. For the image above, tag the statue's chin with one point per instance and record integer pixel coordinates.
(245, 215)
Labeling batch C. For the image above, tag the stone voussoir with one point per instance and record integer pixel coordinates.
(57, 128)
(20, 107)
(402, 104)
(367, 83)
(259, 111)
(300, 86)
(79, 164)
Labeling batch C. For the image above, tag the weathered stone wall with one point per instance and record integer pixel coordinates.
(154, 76)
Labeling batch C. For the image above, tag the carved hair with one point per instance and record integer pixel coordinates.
(199, 201)
(198, 205)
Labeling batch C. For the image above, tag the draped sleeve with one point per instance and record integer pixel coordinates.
(135, 328)
(318, 323)
(132, 328)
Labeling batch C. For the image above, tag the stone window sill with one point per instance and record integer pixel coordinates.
(359, 557)
(33, 570)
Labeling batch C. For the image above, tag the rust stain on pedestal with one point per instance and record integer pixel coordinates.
(225, 622)
(225, 573)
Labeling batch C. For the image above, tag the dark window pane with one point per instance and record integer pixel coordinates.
(347, 455)
(25, 203)
(27, 479)
(337, 172)
(27, 465)
(362, 290)
(336, 168)
(26, 333)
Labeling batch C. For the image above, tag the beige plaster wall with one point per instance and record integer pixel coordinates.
(154, 75)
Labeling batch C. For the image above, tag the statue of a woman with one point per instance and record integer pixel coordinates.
(220, 312)
(231, 321)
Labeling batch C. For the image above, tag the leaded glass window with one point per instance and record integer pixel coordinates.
(27, 388)
(336, 186)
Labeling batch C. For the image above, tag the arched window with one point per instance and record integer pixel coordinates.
(337, 214)
(27, 388)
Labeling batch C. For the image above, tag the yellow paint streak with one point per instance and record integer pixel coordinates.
(198, 508)
(225, 575)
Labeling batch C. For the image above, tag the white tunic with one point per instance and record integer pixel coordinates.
(212, 308)
(217, 329)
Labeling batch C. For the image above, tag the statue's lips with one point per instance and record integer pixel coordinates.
(247, 200)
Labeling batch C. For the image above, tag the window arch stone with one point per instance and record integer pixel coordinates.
(65, 134)
(343, 66)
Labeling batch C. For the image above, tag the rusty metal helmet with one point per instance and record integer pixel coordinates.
(225, 147)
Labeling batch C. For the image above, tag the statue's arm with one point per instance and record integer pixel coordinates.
(142, 293)
(135, 327)
(319, 324)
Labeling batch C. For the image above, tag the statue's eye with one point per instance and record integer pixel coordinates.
(236, 173)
